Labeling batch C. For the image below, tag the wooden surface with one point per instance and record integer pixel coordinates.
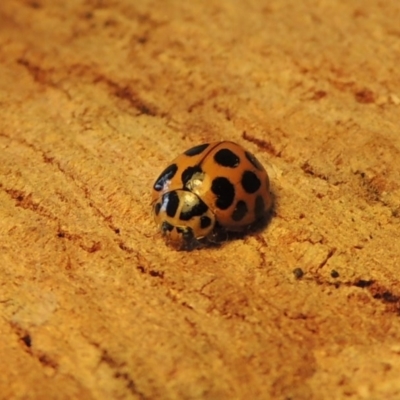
(97, 97)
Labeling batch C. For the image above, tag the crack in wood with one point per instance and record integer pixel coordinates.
(262, 144)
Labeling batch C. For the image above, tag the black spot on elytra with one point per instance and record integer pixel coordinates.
(165, 176)
(240, 211)
(225, 192)
(194, 151)
(250, 182)
(172, 203)
(205, 222)
(254, 161)
(259, 207)
(196, 210)
(188, 173)
(166, 227)
(157, 208)
(226, 158)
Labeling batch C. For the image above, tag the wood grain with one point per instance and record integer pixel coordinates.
(96, 98)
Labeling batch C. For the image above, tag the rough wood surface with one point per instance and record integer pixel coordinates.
(96, 97)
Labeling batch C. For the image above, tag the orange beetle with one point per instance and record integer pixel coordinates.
(211, 186)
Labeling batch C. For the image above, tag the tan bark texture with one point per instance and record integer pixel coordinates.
(96, 98)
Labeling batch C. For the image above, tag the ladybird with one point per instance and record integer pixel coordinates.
(210, 187)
